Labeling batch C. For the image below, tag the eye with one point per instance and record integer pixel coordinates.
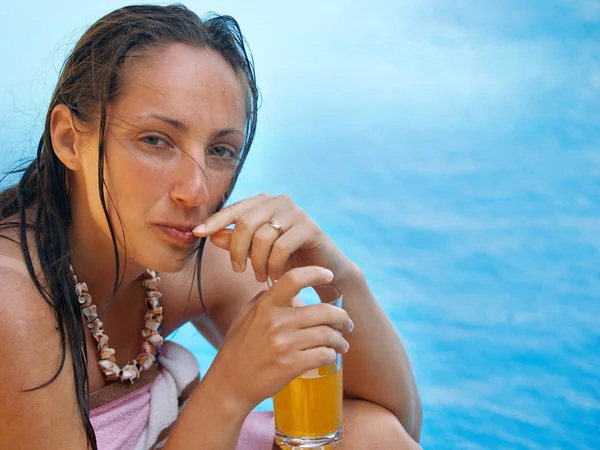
(223, 152)
(154, 141)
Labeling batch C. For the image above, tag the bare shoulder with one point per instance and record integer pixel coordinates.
(28, 326)
(31, 352)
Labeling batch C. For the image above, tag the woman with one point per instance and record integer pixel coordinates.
(145, 136)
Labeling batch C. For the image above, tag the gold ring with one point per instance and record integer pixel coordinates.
(277, 227)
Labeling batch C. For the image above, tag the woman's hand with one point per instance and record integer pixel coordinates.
(270, 343)
(298, 243)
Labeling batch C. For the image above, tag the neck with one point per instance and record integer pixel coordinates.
(93, 260)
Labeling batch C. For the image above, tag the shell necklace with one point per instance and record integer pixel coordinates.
(151, 331)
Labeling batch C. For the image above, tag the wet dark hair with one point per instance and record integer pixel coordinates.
(88, 82)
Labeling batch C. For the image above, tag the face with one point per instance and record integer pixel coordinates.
(174, 135)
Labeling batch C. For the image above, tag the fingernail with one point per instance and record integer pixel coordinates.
(236, 267)
(199, 229)
(347, 345)
(351, 326)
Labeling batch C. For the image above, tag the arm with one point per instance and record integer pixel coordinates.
(267, 344)
(30, 352)
(49, 417)
(214, 427)
(376, 368)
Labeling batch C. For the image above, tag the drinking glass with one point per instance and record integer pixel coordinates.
(308, 411)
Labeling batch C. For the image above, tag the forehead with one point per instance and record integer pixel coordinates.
(197, 86)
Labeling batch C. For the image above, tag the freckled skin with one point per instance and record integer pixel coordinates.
(181, 179)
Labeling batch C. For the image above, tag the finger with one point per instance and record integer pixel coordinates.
(313, 358)
(292, 282)
(324, 314)
(320, 336)
(293, 239)
(229, 215)
(245, 230)
(222, 238)
(223, 241)
(259, 259)
(263, 242)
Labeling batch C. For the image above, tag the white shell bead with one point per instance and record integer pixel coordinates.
(152, 324)
(107, 364)
(98, 334)
(106, 353)
(146, 333)
(153, 294)
(102, 341)
(81, 288)
(85, 299)
(96, 326)
(149, 273)
(152, 339)
(152, 303)
(148, 348)
(151, 315)
(129, 373)
(156, 340)
(146, 360)
(152, 283)
(90, 312)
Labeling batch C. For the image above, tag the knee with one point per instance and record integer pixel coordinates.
(370, 426)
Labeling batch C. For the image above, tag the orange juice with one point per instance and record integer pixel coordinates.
(311, 405)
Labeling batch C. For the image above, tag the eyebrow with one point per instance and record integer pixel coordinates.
(178, 125)
(182, 127)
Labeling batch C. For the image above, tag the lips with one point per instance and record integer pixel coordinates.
(178, 226)
(179, 234)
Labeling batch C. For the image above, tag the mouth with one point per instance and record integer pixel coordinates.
(178, 234)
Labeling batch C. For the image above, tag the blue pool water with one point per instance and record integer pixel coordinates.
(452, 149)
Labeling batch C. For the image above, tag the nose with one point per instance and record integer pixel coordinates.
(191, 184)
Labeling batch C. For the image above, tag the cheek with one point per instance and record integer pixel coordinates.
(217, 187)
(132, 184)
(140, 182)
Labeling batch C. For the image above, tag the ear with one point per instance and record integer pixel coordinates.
(65, 136)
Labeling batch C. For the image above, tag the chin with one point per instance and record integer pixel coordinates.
(170, 260)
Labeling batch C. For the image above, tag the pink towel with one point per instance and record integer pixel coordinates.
(258, 432)
(119, 424)
(140, 416)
